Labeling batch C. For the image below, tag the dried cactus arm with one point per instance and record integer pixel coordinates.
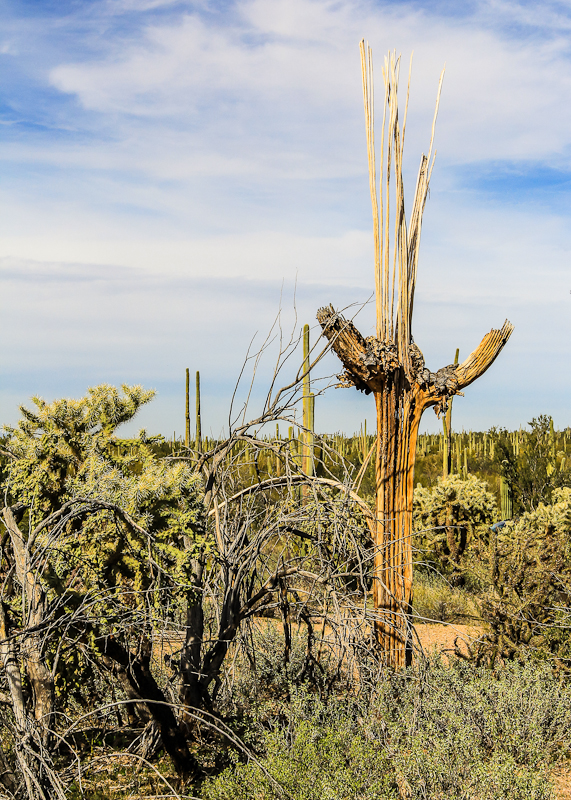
(346, 341)
(484, 355)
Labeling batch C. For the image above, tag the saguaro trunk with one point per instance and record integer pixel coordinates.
(398, 420)
(373, 367)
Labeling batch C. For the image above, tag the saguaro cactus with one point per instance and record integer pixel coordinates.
(307, 436)
(198, 420)
(187, 412)
(391, 366)
(447, 428)
(506, 500)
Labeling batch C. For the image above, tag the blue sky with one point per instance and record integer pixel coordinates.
(173, 171)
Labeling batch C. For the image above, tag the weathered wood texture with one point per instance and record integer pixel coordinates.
(401, 397)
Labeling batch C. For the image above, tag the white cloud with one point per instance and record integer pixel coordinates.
(297, 61)
(8, 49)
(212, 153)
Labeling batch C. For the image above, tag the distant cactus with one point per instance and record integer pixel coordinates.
(447, 428)
(278, 459)
(198, 421)
(506, 501)
(307, 438)
(187, 414)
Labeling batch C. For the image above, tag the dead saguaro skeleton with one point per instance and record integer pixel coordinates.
(390, 364)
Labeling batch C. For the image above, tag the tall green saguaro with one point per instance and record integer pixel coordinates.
(198, 425)
(447, 428)
(187, 414)
(506, 499)
(308, 410)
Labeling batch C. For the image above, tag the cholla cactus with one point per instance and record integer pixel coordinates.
(527, 566)
(114, 532)
(446, 516)
(69, 449)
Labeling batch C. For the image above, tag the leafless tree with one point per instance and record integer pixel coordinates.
(153, 658)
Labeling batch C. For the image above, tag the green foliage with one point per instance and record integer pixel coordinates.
(67, 439)
(458, 731)
(313, 751)
(120, 562)
(527, 566)
(267, 668)
(69, 449)
(436, 731)
(446, 516)
(123, 565)
(435, 599)
(536, 469)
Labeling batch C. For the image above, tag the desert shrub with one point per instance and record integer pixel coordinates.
(265, 667)
(460, 731)
(536, 469)
(446, 517)
(435, 599)
(436, 731)
(313, 751)
(527, 604)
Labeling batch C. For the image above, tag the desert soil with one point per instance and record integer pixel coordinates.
(441, 637)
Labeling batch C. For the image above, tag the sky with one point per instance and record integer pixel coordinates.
(175, 175)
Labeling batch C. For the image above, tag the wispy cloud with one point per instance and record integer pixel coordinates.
(152, 150)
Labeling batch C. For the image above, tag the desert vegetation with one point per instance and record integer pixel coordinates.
(243, 617)
(197, 621)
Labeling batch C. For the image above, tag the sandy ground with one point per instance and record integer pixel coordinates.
(441, 637)
(562, 779)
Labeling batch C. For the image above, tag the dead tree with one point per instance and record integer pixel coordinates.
(391, 366)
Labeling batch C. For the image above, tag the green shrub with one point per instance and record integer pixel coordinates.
(434, 732)
(261, 670)
(536, 467)
(466, 732)
(315, 752)
(527, 605)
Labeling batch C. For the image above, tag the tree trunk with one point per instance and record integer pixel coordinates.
(32, 759)
(192, 692)
(40, 677)
(147, 689)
